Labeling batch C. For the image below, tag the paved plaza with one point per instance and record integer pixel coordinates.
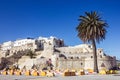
(84, 77)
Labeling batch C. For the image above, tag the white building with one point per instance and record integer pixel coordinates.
(52, 41)
(7, 45)
(23, 42)
(63, 57)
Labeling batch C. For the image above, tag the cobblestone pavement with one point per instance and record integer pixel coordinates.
(85, 77)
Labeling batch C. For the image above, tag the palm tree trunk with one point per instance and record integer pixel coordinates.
(95, 56)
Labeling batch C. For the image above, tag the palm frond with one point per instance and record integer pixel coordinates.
(91, 27)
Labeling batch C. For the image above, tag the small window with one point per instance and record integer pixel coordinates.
(89, 46)
(81, 63)
(71, 57)
(100, 56)
(77, 57)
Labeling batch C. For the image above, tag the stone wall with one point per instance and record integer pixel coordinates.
(84, 56)
(77, 64)
(79, 56)
(84, 63)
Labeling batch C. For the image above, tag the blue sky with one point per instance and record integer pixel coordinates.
(33, 18)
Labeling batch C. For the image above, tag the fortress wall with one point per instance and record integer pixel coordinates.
(70, 64)
(84, 63)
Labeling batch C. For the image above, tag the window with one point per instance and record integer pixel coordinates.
(89, 46)
(100, 56)
(77, 57)
(71, 57)
(81, 63)
(91, 56)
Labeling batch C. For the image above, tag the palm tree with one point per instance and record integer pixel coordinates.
(92, 29)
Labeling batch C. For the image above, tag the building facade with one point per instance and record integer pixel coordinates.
(81, 57)
(62, 57)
